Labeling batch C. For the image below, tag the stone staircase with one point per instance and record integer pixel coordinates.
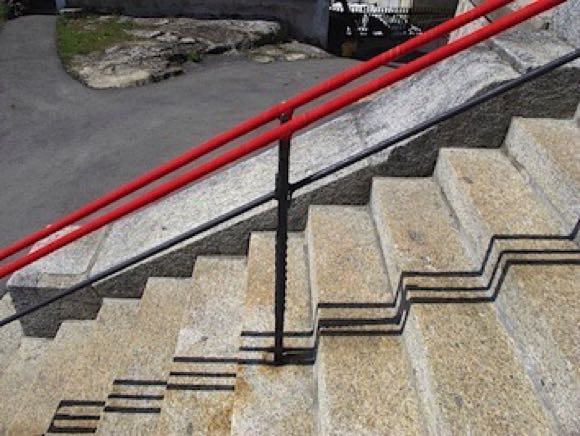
(444, 306)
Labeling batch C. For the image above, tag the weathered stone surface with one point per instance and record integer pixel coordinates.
(469, 377)
(526, 49)
(162, 308)
(346, 265)
(42, 391)
(366, 387)
(10, 335)
(416, 228)
(161, 47)
(547, 150)
(566, 18)
(23, 368)
(274, 399)
(90, 378)
(292, 51)
(490, 197)
(63, 268)
(209, 329)
(540, 307)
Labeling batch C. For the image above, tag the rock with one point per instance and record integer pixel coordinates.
(144, 34)
(262, 59)
(188, 41)
(168, 38)
(162, 46)
(311, 51)
(292, 51)
(291, 57)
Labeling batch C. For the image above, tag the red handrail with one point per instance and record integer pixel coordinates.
(287, 129)
(254, 123)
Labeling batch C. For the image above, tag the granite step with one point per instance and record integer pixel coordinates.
(10, 335)
(547, 152)
(522, 213)
(135, 399)
(350, 288)
(469, 377)
(43, 392)
(199, 396)
(364, 379)
(418, 233)
(496, 206)
(24, 367)
(274, 399)
(540, 307)
(89, 381)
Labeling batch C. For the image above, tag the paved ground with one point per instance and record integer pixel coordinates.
(62, 144)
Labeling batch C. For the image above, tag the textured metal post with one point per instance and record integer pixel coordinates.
(283, 197)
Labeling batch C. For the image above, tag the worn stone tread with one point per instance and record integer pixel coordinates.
(105, 353)
(416, 228)
(366, 387)
(547, 150)
(470, 378)
(43, 394)
(10, 335)
(274, 399)
(346, 263)
(163, 304)
(490, 197)
(22, 369)
(540, 304)
(211, 328)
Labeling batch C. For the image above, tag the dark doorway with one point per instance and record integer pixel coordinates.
(40, 7)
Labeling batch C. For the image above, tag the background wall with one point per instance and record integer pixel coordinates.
(306, 20)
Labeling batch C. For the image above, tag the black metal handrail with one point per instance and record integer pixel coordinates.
(283, 194)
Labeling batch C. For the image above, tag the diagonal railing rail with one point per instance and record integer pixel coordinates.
(284, 189)
(252, 124)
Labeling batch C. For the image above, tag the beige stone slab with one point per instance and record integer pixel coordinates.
(416, 229)
(548, 151)
(345, 259)
(105, 352)
(211, 328)
(274, 400)
(163, 305)
(10, 335)
(490, 196)
(16, 377)
(366, 387)
(540, 303)
(45, 391)
(469, 377)
(109, 344)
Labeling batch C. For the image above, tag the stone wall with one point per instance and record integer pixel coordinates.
(306, 20)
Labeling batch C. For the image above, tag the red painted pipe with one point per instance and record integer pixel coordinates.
(288, 129)
(265, 117)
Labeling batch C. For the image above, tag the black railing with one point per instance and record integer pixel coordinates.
(283, 194)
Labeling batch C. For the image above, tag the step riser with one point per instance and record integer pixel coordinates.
(560, 189)
(200, 389)
(550, 362)
(148, 364)
(274, 399)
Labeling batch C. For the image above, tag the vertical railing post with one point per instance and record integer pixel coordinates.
(283, 198)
